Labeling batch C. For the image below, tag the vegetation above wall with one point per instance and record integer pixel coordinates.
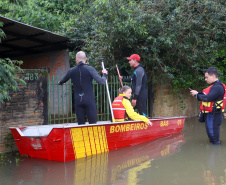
(8, 79)
(176, 39)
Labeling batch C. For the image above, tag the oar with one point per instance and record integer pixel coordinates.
(109, 98)
(119, 75)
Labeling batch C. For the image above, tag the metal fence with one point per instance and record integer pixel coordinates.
(61, 100)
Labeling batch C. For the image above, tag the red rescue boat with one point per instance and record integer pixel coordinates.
(66, 142)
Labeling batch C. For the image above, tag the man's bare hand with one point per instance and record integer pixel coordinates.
(193, 92)
(149, 123)
(105, 71)
(120, 77)
(133, 103)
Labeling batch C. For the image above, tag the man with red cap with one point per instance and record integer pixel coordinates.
(138, 80)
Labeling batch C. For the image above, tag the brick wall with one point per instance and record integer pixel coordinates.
(167, 103)
(57, 63)
(28, 106)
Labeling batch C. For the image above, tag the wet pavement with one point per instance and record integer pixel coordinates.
(184, 158)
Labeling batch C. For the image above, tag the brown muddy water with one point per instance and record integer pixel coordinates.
(186, 158)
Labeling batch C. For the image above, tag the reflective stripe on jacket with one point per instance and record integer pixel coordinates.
(207, 107)
(119, 110)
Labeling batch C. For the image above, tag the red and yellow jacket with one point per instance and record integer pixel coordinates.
(118, 108)
(207, 107)
(122, 107)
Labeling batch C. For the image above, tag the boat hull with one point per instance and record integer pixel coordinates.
(66, 142)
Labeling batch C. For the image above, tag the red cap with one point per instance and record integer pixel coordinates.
(134, 56)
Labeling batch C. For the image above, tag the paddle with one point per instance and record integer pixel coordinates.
(119, 75)
(109, 98)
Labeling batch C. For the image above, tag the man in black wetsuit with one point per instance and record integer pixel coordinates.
(212, 104)
(82, 77)
(138, 80)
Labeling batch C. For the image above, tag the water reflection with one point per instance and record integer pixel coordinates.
(115, 167)
(198, 161)
(214, 167)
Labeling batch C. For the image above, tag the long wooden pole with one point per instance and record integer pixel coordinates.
(109, 98)
(119, 75)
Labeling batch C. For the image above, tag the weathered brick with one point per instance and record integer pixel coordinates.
(20, 110)
(167, 103)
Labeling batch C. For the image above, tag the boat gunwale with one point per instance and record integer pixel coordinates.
(99, 123)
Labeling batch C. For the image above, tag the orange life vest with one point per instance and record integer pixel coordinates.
(208, 106)
(119, 110)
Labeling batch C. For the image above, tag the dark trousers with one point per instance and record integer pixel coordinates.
(141, 104)
(85, 106)
(213, 122)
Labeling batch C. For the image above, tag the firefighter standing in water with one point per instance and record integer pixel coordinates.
(213, 100)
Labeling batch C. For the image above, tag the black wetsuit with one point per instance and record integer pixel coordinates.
(139, 79)
(213, 119)
(82, 77)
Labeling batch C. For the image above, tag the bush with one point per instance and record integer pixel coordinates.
(8, 79)
(176, 40)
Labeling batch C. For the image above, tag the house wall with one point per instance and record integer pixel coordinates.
(58, 64)
(28, 106)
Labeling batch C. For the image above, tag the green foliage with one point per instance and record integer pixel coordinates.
(8, 77)
(109, 29)
(29, 13)
(9, 141)
(2, 34)
(183, 37)
(176, 39)
(11, 158)
(221, 63)
(3, 158)
(49, 15)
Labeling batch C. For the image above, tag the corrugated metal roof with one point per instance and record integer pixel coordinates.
(22, 39)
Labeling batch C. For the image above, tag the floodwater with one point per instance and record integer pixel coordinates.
(184, 158)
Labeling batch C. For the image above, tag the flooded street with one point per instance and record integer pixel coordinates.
(184, 158)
